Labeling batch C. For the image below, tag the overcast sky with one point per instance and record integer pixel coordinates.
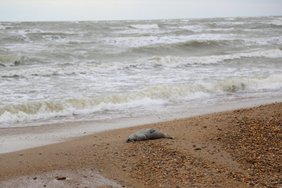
(46, 10)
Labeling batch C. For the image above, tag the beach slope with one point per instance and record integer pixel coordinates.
(239, 148)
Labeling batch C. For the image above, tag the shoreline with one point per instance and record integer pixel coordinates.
(239, 148)
(21, 138)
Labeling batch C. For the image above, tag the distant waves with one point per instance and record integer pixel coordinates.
(55, 71)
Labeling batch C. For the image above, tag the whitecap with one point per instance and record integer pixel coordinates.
(153, 40)
(144, 26)
(2, 27)
(277, 22)
(174, 61)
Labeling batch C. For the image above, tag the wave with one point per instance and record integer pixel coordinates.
(6, 25)
(144, 26)
(12, 60)
(150, 63)
(2, 27)
(177, 61)
(231, 86)
(202, 43)
(266, 25)
(49, 36)
(146, 98)
(30, 36)
(277, 22)
(147, 41)
(264, 41)
(15, 76)
(194, 28)
(43, 110)
(183, 47)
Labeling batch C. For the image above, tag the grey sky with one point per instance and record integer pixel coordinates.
(45, 10)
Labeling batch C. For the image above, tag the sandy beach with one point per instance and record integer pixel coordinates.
(239, 148)
(78, 78)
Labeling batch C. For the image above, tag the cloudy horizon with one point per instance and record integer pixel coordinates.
(67, 10)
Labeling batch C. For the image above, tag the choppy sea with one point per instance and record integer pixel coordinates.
(98, 70)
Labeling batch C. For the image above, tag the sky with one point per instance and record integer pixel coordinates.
(63, 10)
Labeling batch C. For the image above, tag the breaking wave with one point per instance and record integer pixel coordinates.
(108, 69)
(150, 63)
(144, 26)
(174, 61)
(12, 60)
(183, 46)
(158, 95)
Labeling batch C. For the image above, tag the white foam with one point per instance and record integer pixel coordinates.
(277, 22)
(111, 106)
(172, 61)
(231, 23)
(195, 28)
(145, 26)
(271, 53)
(272, 82)
(264, 40)
(43, 110)
(2, 27)
(10, 59)
(153, 40)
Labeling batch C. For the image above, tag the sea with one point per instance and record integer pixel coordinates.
(106, 70)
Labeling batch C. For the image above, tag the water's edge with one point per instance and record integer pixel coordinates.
(20, 138)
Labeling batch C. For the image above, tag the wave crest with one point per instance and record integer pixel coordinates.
(146, 98)
(144, 26)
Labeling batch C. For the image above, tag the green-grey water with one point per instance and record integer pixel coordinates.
(113, 69)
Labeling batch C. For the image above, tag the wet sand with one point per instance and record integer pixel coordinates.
(239, 148)
(25, 136)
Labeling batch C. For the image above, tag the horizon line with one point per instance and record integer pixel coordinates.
(137, 19)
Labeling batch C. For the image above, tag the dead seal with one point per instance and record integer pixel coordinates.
(148, 134)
